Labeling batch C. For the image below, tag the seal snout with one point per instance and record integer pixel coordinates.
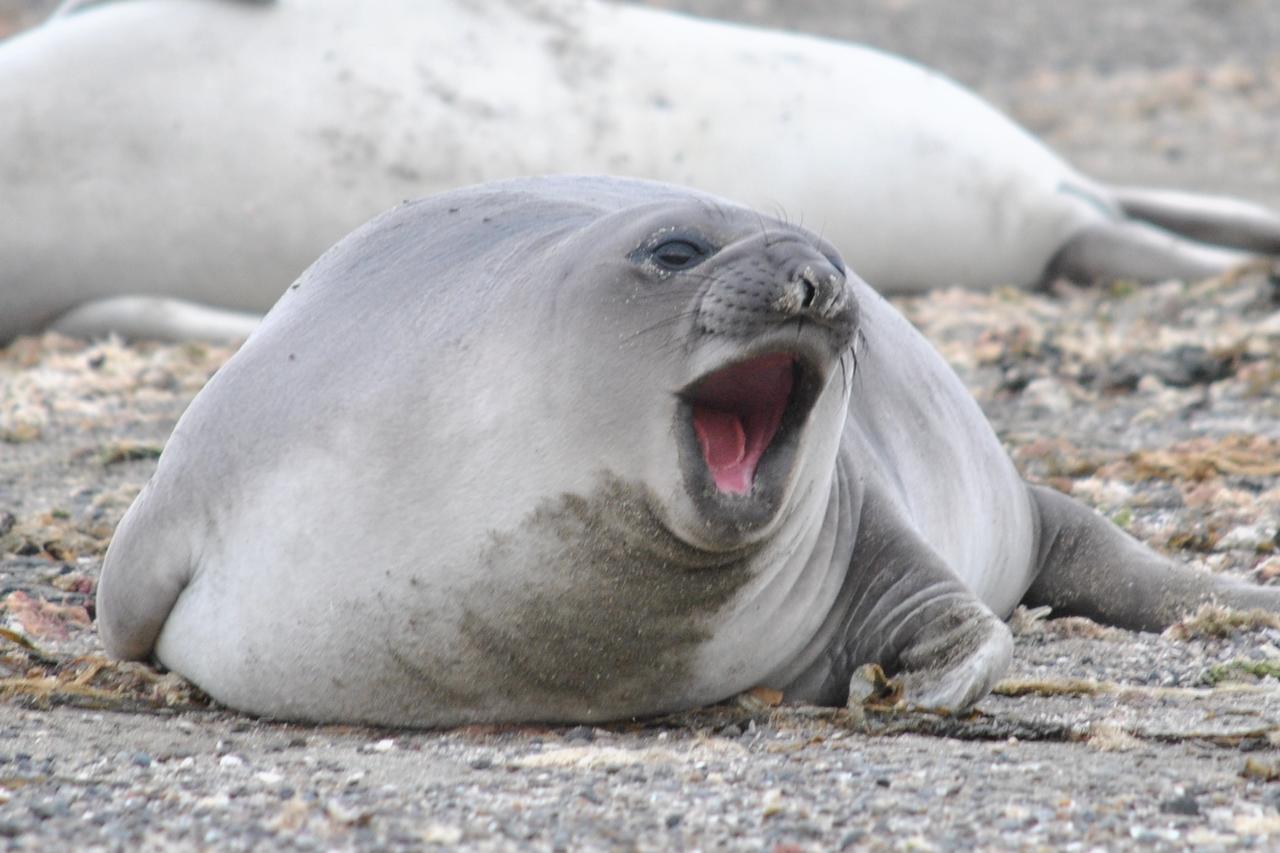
(759, 285)
(817, 292)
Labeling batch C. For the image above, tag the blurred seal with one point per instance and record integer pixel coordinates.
(170, 166)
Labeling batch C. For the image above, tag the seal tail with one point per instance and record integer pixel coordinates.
(1089, 567)
(1212, 219)
(142, 577)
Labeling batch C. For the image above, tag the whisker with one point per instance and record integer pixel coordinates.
(661, 324)
(764, 228)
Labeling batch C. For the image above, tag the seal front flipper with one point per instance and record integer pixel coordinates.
(903, 608)
(1087, 566)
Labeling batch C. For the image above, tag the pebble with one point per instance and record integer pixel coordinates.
(1184, 805)
(1245, 537)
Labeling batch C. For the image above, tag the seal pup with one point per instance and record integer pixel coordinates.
(574, 449)
(209, 150)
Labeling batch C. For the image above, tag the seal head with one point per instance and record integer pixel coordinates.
(774, 319)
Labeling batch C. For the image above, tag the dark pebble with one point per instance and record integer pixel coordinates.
(140, 759)
(46, 809)
(673, 820)
(10, 828)
(581, 733)
(853, 837)
(1185, 804)
(482, 763)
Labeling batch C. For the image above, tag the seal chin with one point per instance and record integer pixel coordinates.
(739, 431)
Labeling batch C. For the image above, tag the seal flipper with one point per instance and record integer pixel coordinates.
(155, 318)
(902, 607)
(1211, 219)
(1087, 566)
(67, 7)
(1131, 250)
(143, 573)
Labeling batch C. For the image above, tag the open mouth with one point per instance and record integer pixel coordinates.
(738, 411)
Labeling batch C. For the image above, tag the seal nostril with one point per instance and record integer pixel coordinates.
(807, 293)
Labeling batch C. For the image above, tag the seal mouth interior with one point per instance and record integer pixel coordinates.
(736, 415)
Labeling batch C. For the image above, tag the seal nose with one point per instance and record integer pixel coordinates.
(817, 291)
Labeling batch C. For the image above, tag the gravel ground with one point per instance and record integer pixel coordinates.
(1159, 406)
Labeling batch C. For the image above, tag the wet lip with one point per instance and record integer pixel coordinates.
(737, 412)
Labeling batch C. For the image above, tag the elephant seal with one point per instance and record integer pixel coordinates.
(574, 449)
(208, 150)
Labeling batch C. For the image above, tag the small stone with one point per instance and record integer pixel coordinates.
(1246, 537)
(140, 759)
(482, 763)
(673, 820)
(853, 837)
(1047, 394)
(772, 803)
(439, 833)
(347, 815)
(580, 733)
(1259, 825)
(384, 745)
(49, 808)
(1269, 569)
(229, 761)
(1184, 805)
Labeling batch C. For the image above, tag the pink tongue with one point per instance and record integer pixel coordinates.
(724, 445)
(736, 416)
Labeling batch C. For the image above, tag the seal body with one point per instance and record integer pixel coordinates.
(208, 150)
(584, 449)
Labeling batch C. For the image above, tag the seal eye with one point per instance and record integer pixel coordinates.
(676, 255)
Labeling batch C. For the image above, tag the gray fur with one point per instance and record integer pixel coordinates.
(452, 479)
